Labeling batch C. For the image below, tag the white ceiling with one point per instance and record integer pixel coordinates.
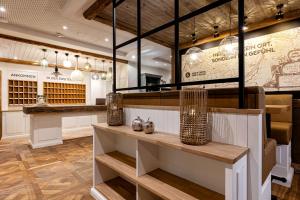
(23, 51)
(45, 18)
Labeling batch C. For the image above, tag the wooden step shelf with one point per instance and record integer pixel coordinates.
(217, 151)
(161, 183)
(117, 189)
(119, 162)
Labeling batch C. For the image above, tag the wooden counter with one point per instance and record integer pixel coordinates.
(217, 151)
(62, 109)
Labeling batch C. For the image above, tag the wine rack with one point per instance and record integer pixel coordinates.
(65, 93)
(21, 92)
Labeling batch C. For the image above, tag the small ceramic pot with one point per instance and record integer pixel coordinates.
(148, 127)
(137, 124)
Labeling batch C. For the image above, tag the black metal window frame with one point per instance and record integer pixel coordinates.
(176, 22)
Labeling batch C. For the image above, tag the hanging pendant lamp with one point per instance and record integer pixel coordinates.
(56, 73)
(193, 54)
(67, 62)
(109, 73)
(95, 75)
(76, 75)
(103, 73)
(229, 45)
(44, 61)
(87, 65)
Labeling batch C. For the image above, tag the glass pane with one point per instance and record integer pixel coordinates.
(155, 13)
(157, 59)
(126, 19)
(205, 58)
(127, 73)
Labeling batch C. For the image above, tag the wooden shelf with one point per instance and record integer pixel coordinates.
(161, 183)
(65, 93)
(21, 92)
(119, 162)
(216, 151)
(172, 187)
(117, 189)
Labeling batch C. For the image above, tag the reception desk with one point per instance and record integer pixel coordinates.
(45, 122)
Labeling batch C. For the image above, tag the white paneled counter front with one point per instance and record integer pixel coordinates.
(45, 123)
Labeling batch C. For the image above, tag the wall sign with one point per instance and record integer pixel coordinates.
(61, 78)
(271, 61)
(22, 75)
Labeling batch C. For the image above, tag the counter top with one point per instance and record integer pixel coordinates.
(62, 108)
(218, 151)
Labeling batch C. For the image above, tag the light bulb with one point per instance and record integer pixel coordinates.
(76, 75)
(194, 56)
(87, 66)
(95, 76)
(103, 76)
(229, 45)
(67, 63)
(229, 48)
(44, 62)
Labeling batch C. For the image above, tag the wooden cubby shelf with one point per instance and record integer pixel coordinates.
(161, 167)
(65, 93)
(117, 189)
(161, 183)
(21, 92)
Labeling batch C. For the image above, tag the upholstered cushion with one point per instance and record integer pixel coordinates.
(280, 99)
(281, 132)
(269, 158)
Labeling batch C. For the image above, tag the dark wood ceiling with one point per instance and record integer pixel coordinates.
(158, 12)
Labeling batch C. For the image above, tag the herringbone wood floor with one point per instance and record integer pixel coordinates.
(64, 172)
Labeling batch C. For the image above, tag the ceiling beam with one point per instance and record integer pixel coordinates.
(37, 64)
(96, 8)
(33, 42)
(251, 27)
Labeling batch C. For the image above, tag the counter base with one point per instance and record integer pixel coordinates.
(45, 144)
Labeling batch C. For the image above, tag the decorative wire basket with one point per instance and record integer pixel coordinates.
(193, 116)
(114, 109)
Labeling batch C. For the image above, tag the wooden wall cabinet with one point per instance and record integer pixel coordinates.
(21, 92)
(65, 93)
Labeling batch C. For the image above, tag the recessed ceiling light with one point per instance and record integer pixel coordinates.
(65, 27)
(15, 57)
(156, 62)
(133, 57)
(2, 9)
(106, 40)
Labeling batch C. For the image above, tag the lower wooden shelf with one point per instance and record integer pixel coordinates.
(117, 189)
(161, 183)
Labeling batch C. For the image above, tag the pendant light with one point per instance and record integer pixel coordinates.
(280, 14)
(95, 75)
(67, 63)
(103, 73)
(193, 54)
(229, 44)
(44, 61)
(87, 65)
(56, 73)
(245, 27)
(76, 75)
(109, 72)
